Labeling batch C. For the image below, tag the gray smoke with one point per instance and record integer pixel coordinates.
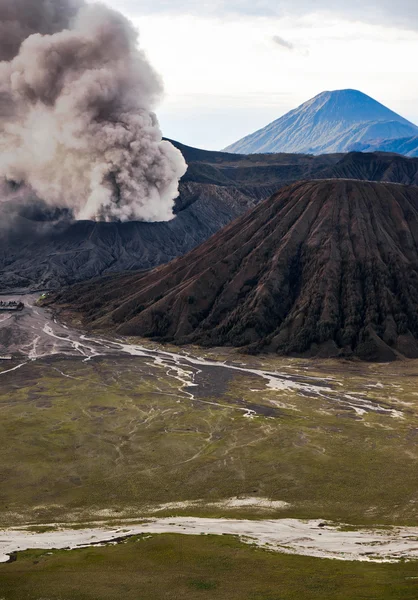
(21, 18)
(77, 127)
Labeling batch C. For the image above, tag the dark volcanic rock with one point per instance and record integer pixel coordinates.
(217, 188)
(326, 267)
(376, 166)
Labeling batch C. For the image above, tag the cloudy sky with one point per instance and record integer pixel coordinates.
(232, 67)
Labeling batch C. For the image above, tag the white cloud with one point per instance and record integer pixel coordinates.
(223, 78)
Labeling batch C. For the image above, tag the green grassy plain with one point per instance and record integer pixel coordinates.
(192, 567)
(111, 437)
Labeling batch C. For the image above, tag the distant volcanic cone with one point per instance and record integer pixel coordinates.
(326, 268)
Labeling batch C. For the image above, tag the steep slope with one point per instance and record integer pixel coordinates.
(325, 267)
(331, 122)
(374, 167)
(217, 188)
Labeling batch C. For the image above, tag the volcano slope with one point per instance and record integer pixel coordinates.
(325, 268)
(36, 254)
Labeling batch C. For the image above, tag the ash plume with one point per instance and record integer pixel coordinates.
(77, 127)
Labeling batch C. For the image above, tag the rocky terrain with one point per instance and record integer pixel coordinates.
(42, 252)
(325, 268)
(336, 121)
(39, 251)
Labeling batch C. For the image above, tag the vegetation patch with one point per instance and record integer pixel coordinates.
(191, 567)
(111, 438)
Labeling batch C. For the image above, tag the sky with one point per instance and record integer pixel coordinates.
(230, 68)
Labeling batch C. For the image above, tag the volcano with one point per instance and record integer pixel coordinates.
(45, 250)
(327, 268)
(336, 121)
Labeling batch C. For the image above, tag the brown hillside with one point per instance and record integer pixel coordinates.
(324, 267)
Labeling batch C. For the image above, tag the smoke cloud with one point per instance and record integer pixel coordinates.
(77, 127)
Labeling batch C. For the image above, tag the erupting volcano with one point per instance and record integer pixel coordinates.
(77, 127)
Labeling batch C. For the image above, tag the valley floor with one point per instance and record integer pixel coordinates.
(98, 432)
(180, 567)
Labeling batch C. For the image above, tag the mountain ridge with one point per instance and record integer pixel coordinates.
(332, 121)
(217, 188)
(406, 146)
